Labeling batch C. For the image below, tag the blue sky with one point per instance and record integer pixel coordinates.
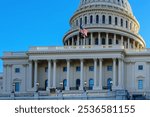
(25, 23)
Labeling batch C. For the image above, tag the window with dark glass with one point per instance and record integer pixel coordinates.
(140, 67)
(103, 41)
(46, 69)
(97, 19)
(116, 21)
(117, 42)
(17, 70)
(17, 87)
(121, 22)
(91, 68)
(64, 69)
(91, 19)
(110, 41)
(126, 24)
(110, 20)
(85, 20)
(76, 22)
(80, 21)
(109, 68)
(103, 19)
(96, 41)
(78, 69)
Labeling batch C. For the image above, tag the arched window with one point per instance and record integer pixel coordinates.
(121, 22)
(110, 42)
(77, 84)
(80, 21)
(17, 86)
(109, 83)
(91, 19)
(46, 84)
(97, 19)
(77, 23)
(116, 21)
(85, 19)
(91, 84)
(64, 83)
(126, 24)
(103, 41)
(110, 20)
(117, 42)
(103, 19)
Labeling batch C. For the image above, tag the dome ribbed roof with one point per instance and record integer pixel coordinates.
(121, 4)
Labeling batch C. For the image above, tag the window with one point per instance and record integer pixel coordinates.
(117, 42)
(85, 20)
(116, 21)
(103, 19)
(109, 83)
(46, 69)
(126, 24)
(140, 84)
(91, 84)
(103, 41)
(77, 23)
(110, 41)
(110, 20)
(77, 84)
(109, 68)
(91, 68)
(97, 19)
(78, 69)
(121, 22)
(96, 41)
(140, 67)
(80, 21)
(17, 70)
(64, 69)
(64, 83)
(91, 19)
(17, 87)
(46, 84)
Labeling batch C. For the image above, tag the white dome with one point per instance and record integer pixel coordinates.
(118, 4)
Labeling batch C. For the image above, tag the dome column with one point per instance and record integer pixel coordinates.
(91, 38)
(128, 43)
(99, 38)
(107, 39)
(114, 39)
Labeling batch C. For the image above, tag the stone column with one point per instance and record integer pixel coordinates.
(133, 44)
(4, 78)
(123, 80)
(106, 39)
(121, 40)
(81, 74)
(100, 74)
(68, 75)
(30, 75)
(95, 73)
(114, 39)
(78, 40)
(72, 41)
(114, 73)
(49, 75)
(99, 38)
(119, 74)
(91, 38)
(54, 73)
(35, 74)
(128, 43)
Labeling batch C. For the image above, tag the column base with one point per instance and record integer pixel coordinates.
(48, 89)
(96, 88)
(80, 88)
(67, 88)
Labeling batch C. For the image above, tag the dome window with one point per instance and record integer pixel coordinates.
(110, 41)
(77, 23)
(91, 19)
(97, 19)
(126, 24)
(110, 20)
(116, 21)
(103, 19)
(85, 19)
(80, 21)
(103, 41)
(121, 22)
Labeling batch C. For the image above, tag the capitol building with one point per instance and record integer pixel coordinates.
(110, 63)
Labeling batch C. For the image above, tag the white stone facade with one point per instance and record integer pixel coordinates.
(112, 62)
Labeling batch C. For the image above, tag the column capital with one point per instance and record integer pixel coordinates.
(100, 59)
(49, 60)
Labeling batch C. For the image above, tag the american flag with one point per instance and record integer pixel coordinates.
(83, 31)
